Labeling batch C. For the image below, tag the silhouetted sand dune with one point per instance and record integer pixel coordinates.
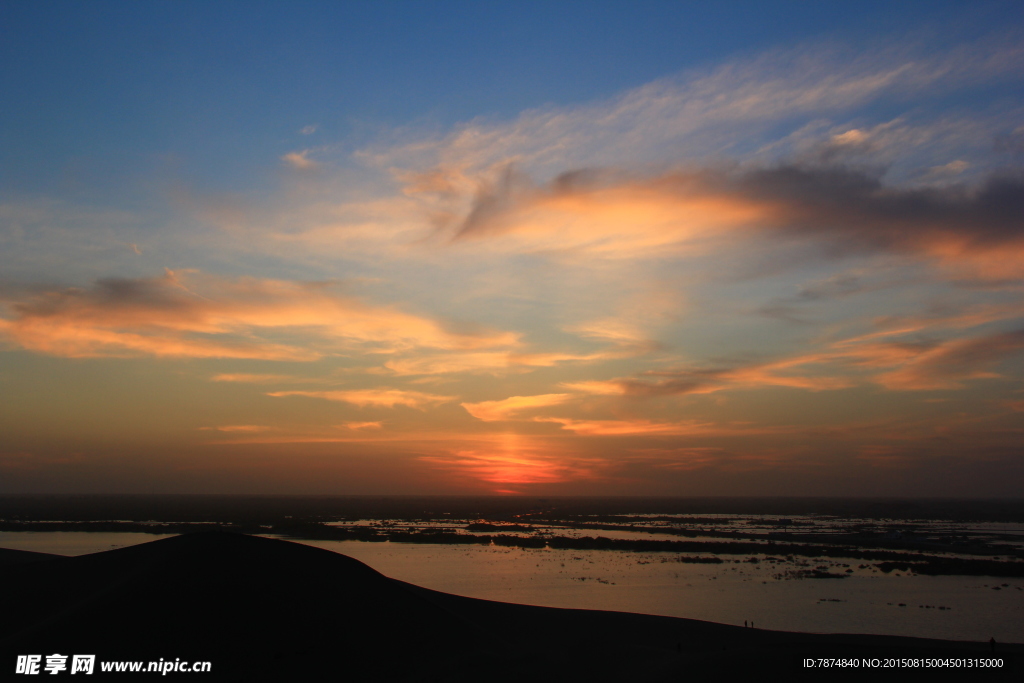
(268, 610)
(9, 557)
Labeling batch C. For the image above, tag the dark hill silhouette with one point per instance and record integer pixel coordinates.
(9, 557)
(269, 610)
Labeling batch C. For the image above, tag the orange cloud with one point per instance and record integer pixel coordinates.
(614, 220)
(300, 160)
(410, 440)
(629, 427)
(362, 425)
(496, 411)
(948, 365)
(380, 398)
(880, 357)
(72, 339)
(186, 315)
(623, 333)
(711, 380)
(973, 317)
(973, 230)
(768, 375)
(490, 362)
(250, 378)
(444, 364)
(601, 388)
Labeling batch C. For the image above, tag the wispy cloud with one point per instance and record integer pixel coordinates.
(789, 372)
(505, 409)
(699, 113)
(896, 357)
(642, 427)
(250, 378)
(970, 317)
(627, 427)
(251, 429)
(598, 387)
(363, 425)
(948, 365)
(637, 319)
(613, 218)
(975, 230)
(300, 160)
(164, 317)
(490, 362)
(378, 398)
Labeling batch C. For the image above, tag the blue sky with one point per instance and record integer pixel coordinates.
(597, 247)
(99, 92)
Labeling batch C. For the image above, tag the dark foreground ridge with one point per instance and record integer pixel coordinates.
(267, 610)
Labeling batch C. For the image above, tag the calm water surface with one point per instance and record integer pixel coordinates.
(865, 602)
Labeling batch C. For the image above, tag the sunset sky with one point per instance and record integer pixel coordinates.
(637, 248)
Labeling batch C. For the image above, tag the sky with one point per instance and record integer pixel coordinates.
(542, 248)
